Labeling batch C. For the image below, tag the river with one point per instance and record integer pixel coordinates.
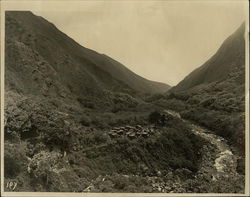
(225, 162)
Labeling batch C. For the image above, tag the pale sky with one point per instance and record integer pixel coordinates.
(159, 40)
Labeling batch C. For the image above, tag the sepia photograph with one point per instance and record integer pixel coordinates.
(128, 97)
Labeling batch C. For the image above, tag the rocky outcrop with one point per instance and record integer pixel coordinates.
(131, 131)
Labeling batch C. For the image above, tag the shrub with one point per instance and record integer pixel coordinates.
(15, 160)
(241, 166)
(98, 122)
(85, 120)
(154, 117)
(120, 182)
(45, 168)
(86, 103)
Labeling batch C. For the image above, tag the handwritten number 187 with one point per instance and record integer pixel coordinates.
(11, 185)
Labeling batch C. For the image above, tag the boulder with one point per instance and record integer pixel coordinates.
(120, 131)
(138, 126)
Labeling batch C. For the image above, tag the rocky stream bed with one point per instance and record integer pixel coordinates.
(218, 166)
(217, 172)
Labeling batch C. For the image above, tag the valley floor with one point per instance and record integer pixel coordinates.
(217, 172)
(179, 157)
(219, 163)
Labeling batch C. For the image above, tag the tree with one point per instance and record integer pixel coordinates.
(163, 119)
(154, 117)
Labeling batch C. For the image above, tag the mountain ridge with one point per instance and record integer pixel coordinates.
(219, 65)
(72, 126)
(53, 45)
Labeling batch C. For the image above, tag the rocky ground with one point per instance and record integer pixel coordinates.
(218, 164)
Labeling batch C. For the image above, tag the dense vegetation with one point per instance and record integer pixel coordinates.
(219, 106)
(213, 95)
(58, 149)
(63, 103)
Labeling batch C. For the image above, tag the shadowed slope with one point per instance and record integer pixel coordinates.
(37, 47)
(231, 53)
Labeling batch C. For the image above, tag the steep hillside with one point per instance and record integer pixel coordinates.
(231, 53)
(74, 123)
(214, 94)
(132, 79)
(60, 66)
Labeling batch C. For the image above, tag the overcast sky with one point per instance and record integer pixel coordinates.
(159, 40)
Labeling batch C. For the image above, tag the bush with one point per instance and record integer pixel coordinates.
(45, 168)
(86, 103)
(85, 120)
(154, 117)
(241, 166)
(120, 182)
(15, 160)
(98, 122)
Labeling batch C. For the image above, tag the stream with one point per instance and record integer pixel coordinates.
(217, 171)
(225, 162)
